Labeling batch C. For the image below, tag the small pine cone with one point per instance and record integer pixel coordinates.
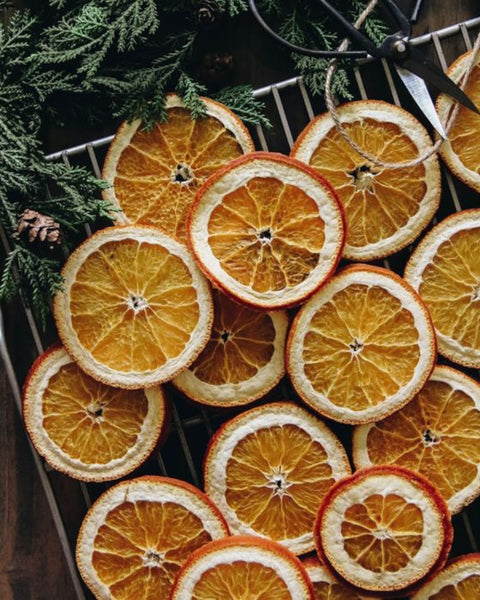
(35, 227)
(215, 69)
(206, 12)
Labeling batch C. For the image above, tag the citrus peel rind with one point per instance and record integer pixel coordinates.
(243, 360)
(154, 175)
(459, 580)
(267, 230)
(267, 470)
(460, 150)
(383, 530)
(362, 346)
(135, 310)
(445, 271)
(385, 209)
(325, 586)
(431, 435)
(69, 418)
(136, 536)
(226, 568)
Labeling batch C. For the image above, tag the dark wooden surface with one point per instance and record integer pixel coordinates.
(32, 566)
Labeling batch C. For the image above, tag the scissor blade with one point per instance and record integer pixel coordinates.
(417, 63)
(419, 92)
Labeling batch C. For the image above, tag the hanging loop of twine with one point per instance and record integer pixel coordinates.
(375, 160)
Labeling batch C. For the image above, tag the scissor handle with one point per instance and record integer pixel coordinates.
(400, 17)
(308, 51)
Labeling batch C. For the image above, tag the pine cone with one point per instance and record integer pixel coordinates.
(35, 227)
(206, 12)
(215, 69)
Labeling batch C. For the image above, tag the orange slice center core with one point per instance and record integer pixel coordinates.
(182, 174)
(364, 177)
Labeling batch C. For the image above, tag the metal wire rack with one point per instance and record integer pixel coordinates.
(290, 107)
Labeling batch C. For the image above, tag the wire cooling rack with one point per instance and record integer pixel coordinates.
(290, 108)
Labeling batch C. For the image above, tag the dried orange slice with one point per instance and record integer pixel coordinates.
(135, 310)
(267, 230)
(445, 271)
(243, 360)
(154, 175)
(434, 435)
(362, 347)
(242, 567)
(325, 586)
(85, 428)
(386, 209)
(460, 150)
(460, 580)
(269, 468)
(138, 534)
(383, 529)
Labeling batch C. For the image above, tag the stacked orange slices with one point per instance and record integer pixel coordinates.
(154, 175)
(386, 209)
(460, 580)
(242, 361)
(85, 428)
(435, 434)
(242, 567)
(139, 533)
(460, 150)
(268, 470)
(385, 529)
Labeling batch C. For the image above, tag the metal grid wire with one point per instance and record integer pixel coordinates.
(290, 108)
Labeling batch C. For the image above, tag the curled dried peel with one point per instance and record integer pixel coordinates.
(385, 209)
(83, 427)
(362, 346)
(243, 359)
(232, 567)
(434, 435)
(154, 175)
(136, 536)
(268, 469)
(274, 230)
(385, 529)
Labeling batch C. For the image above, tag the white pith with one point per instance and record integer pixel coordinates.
(92, 366)
(60, 460)
(451, 575)
(382, 484)
(320, 574)
(137, 491)
(264, 418)
(458, 381)
(424, 254)
(238, 177)
(243, 391)
(426, 345)
(383, 113)
(444, 104)
(126, 132)
(189, 578)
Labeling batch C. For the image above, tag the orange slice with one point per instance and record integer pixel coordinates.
(135, 310)
(325, 586)
(460, 151)
(386, 209)
(445, 270)
(138, 534)
(243, 360)
(87, 429)
(154, 175)
(362, 347)
(268, 470)
(435, 434)
(267, 230)
(240, 568)
(384, 529)
(460, 580)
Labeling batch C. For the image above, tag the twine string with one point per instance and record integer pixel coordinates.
(375, 160)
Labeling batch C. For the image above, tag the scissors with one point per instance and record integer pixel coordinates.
(412, 66)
